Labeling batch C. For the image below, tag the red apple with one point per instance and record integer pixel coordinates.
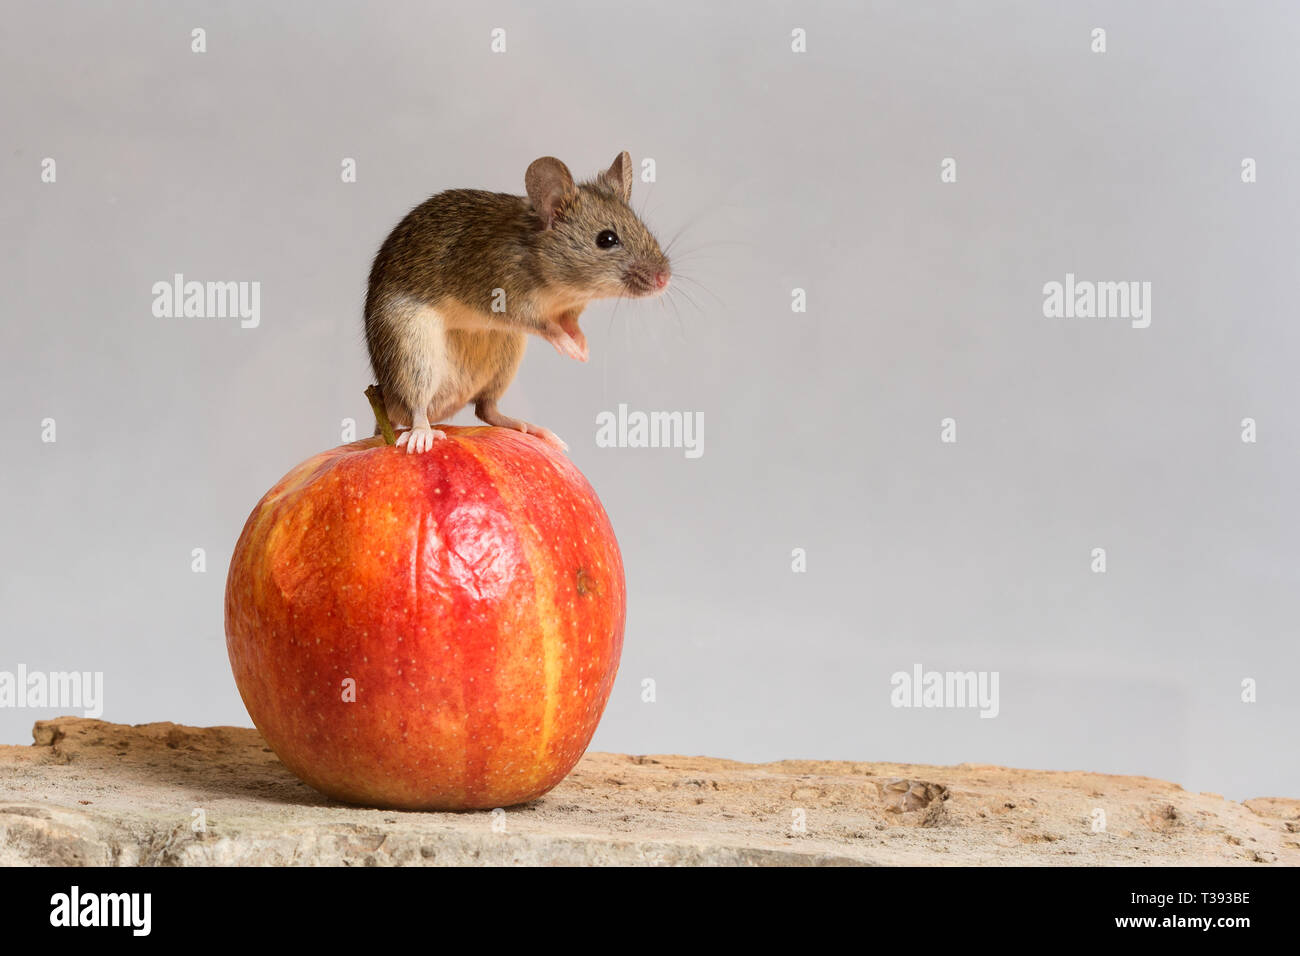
(434, 631)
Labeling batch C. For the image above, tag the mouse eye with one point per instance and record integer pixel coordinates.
(607, 239)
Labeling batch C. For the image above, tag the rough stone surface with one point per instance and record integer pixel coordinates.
(90, 792)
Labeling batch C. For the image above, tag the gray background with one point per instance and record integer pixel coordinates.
(821, 430)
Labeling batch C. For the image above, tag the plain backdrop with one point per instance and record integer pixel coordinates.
(777, 171)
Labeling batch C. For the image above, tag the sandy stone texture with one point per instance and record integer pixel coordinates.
(91, 792)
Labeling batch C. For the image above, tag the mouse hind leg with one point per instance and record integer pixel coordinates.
(485, 402)
(419, 376)
(486, 410)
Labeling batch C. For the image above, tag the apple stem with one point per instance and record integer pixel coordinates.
(376, 397)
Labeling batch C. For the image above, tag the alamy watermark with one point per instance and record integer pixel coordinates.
(179, 299)
(946, 689)
(1084, 299)
(66, 690)
(635, 429)
(130, 910)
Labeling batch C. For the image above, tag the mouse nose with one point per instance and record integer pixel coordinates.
(661, 278)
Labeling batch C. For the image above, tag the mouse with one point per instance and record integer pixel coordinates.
(468, 275)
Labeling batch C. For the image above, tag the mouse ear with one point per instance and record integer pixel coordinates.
(619, 175)
(550, 186)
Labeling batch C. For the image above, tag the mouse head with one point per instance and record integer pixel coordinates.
(593, 242)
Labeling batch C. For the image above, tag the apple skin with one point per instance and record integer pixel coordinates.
(475, 595)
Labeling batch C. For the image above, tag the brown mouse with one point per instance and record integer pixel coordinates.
(465, 277)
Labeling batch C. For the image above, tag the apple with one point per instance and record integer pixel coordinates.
(428, 632)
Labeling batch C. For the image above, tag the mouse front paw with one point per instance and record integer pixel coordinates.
(570, 343)
(419, 439)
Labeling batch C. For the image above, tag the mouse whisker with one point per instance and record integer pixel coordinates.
(677, 288)
(695, 220)
(677, 315)
(689, 298)
(692, 251)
